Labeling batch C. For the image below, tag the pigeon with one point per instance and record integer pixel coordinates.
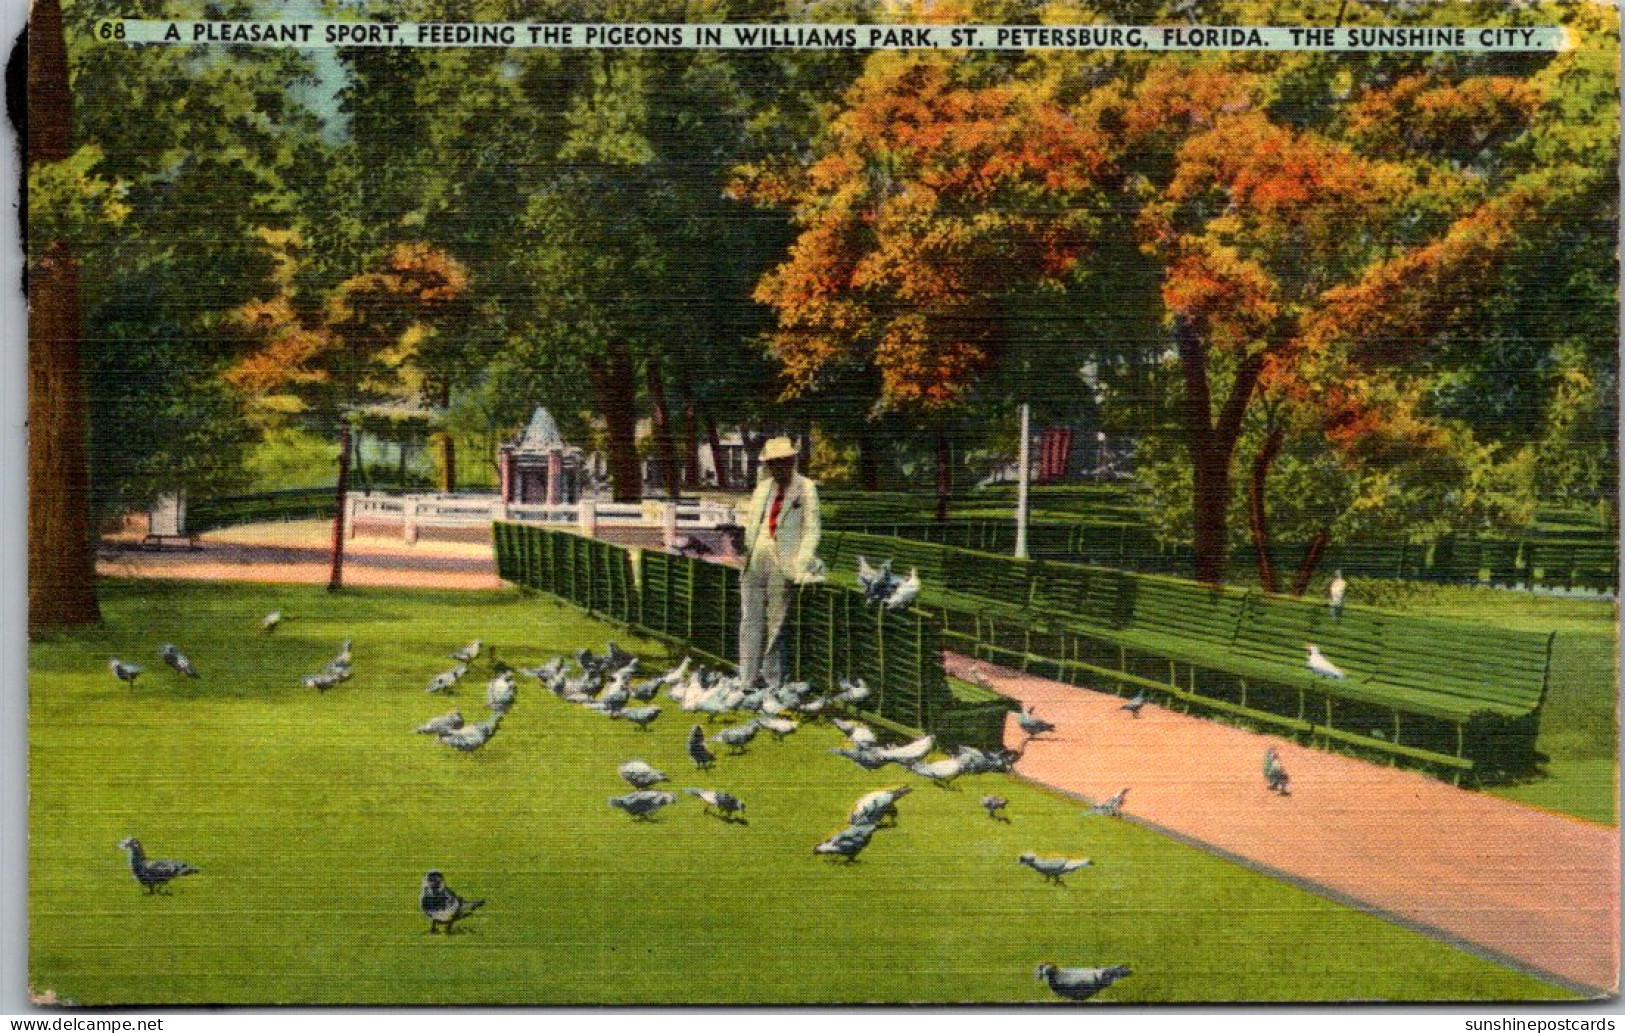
(908, 752)
(500, 693)
(816, 571)
(1080, 984)
(1052, 868)
(338, 671)
(703, 758)
(848, 842)
(852, 693)
(939, 771)
(547, 672)
(1274, 774)
(445, 681)
(323, 681)
(862, 735)
(343, 656)
(640, 775)
(868, 760)
(442, 905)
(640, 716)
(123, 671)
(1322, 666)
(904, 592)
(737, 737)
(646, 690)
(619, 659)
(643, 804)
(813, 707)
(613, 699)
(472, 737)
(1032, 724)
(994, 806)
(872, 580)
(779, 726)
(177, 659)
(468, 652)
(1335, 593)
(269, 622)
(878, 805)
(1111, 807)
(724, 805)
(153, 874)
(676, 674)
(588, 663)
(1133, 706)
(690, 546)
(444, 723)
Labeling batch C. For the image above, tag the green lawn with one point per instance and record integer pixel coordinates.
(314, 817)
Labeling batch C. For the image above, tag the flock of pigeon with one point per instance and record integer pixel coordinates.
(609, 685)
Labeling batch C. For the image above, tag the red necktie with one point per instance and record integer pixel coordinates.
(773, 514)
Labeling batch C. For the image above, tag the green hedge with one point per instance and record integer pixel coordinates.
(227, 510)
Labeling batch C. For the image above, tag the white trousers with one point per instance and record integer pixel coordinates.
(764, 602)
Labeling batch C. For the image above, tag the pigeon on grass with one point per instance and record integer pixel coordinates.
(153, 874)
(442, 724)
(442, 905)
(124, 672)
(1080, 984)
(849, 842)
(726, 806)
(644, 804)
(1052, 868)
(177, 659)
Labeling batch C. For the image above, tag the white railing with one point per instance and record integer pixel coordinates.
(415, 511)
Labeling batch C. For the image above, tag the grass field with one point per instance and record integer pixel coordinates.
(313, 818)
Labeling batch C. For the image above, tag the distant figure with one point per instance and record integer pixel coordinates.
(782, 529)
(1322, 666)
(1334, 595)
(1274, 774)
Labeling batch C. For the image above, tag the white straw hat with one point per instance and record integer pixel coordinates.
(778, 448)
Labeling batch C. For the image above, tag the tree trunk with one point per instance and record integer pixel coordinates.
(1257, 514)
(61, 549)
(1311, 560)
(400, 457)
(868, 457)
(612, 380)
(1211, 445)
(359, 461)
(714, 442)
(670, 469)
(945, 474)
(336, 580)
(448, 449)
(691, 445)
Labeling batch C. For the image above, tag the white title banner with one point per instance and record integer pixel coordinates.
(1533, 39)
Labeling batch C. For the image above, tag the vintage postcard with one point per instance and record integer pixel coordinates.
(849, 502)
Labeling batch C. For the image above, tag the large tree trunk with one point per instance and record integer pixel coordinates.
(670, 469)
(1257, 513)
(1211, 444)
(1311, 560)
(61, 550)
(868, 457)
(691, 437)
(335, 580)
(713, 441)
(448, 449)
(612, 380)
(945, 474)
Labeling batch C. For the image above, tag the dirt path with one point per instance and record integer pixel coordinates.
(366, 563)
(1529, 888)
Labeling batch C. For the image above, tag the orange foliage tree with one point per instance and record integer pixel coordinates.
(932, 200)
(357, 346)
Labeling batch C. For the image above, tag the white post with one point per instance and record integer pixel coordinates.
(409, 520)
(668, 524)
(589, 518)
(1022, 474)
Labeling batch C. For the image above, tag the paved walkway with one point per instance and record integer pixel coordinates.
(297, 552)
(1532, 889)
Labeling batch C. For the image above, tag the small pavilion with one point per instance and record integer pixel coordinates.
(540, 467)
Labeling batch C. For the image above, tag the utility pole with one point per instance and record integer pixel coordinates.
(1023, 463)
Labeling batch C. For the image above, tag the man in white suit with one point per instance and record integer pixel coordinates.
(781, 542)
